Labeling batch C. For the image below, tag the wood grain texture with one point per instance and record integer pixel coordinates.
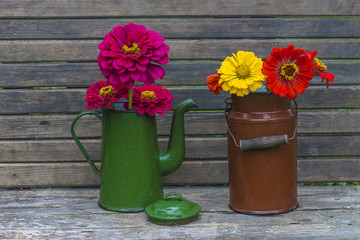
(184, 27)
(177, 73)
(141, 8)
(205, 148)
(79, 174)
(24, 101)
(324, 212)
(206, 123)
(211, 199)
(86, 50)
(214, 228)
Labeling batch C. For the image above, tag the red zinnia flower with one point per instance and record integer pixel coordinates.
(288, 71)
(151, 99)
(127, 54)
(103, 92)
(213, 83)
(320, 68)
(329, 77)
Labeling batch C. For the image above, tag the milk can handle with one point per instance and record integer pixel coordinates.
(86, 155)
(260, 142)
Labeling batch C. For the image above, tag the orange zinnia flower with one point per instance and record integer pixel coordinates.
(213, 83)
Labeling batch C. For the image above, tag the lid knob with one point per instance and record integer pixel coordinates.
(173, 194)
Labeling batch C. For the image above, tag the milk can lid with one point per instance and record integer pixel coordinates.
(172, 210)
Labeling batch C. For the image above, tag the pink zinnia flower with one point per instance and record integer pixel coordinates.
(128, 53)
(103, 93)
(151, 99)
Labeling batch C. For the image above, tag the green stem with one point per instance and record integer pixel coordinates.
(130, 98)
(112, 106)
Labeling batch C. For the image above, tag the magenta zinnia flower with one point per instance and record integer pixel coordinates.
(151, 99)
(103, 93)
(128, 53)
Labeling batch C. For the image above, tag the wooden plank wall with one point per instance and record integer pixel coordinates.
(53, 43)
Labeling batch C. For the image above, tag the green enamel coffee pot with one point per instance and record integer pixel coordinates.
(131, 164)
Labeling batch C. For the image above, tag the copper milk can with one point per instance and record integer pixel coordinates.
(262, 154)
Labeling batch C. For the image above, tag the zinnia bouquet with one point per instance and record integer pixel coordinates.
(286, 72)
(131, 53)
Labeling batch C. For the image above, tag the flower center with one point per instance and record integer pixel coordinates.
(322, 66)
(288, 70)
(148, 95)
(131, 50)
(242, 71)
(107, 91)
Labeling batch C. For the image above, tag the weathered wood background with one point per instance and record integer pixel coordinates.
(48, 53)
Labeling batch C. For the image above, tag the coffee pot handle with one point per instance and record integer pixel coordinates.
(86, 155)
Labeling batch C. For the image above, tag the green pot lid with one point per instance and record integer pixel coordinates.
(172, 211)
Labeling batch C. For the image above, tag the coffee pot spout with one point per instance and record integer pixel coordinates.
(174, 156)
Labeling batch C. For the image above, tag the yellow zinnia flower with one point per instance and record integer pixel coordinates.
(241, 72)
